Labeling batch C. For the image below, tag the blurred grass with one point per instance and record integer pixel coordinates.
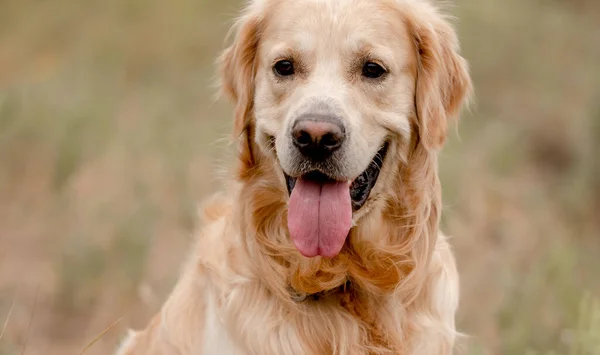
(109, 137)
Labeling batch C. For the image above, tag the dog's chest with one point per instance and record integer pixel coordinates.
(254, 324)
(218, 340)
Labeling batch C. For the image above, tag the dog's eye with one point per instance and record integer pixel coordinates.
(284, 68)
(373, 70)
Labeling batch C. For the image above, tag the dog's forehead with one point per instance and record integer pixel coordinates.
(333, 30)
(342, 21)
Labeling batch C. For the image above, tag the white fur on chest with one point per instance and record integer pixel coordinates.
(217, 340)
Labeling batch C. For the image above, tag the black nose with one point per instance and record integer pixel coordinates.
(318, 138)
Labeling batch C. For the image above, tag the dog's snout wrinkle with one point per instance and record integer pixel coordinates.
(317, 137)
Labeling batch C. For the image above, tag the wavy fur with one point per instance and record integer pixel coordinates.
(393, 289)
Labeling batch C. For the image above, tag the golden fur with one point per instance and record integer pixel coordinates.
(393, 289)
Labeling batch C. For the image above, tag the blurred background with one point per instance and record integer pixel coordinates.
(110, 135)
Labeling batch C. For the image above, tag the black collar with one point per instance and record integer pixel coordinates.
(301, 296)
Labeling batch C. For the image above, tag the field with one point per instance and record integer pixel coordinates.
(110, 135)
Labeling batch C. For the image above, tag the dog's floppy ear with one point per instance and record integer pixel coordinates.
(237, 67)
(443, 82)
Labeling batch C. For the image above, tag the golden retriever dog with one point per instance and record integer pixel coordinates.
(327, 240)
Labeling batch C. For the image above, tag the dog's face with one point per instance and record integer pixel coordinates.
(333, 94)
(335, 80)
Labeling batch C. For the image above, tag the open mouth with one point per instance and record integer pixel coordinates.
(320, 208)
(361, 187)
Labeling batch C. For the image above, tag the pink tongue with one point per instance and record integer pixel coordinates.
(319, 217)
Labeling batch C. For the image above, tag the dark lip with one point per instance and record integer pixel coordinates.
(361, 186)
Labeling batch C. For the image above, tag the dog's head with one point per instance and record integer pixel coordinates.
(334, 96)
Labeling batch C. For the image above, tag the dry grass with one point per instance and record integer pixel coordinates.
(99, 336)
(107, 142)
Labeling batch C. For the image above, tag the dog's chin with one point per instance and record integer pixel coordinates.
(360, 188)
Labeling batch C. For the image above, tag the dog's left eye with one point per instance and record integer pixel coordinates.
(373, 70)
(284, 68)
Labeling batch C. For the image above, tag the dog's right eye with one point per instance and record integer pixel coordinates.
(284, 68)
(373, 70)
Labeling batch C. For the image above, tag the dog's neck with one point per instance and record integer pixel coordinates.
(347, 286)
(318, 296)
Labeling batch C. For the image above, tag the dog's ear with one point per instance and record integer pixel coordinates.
(237, 67)
(443, 83)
